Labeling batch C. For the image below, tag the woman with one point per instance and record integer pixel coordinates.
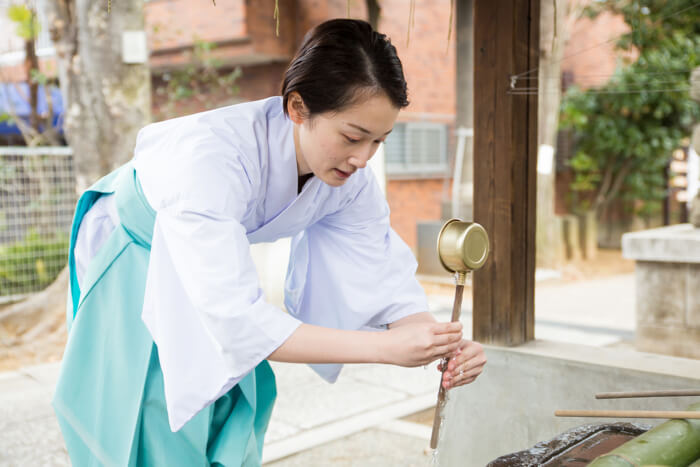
(166, 361)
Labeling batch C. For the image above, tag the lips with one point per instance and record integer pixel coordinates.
(341, 173)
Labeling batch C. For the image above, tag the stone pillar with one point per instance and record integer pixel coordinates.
(667, 289)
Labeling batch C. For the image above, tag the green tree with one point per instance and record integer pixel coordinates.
(627, 129)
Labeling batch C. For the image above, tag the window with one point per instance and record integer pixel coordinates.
(416, 149)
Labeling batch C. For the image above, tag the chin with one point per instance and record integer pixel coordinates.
(335, 182)
(332, 180)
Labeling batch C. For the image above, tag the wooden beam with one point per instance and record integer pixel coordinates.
(506, 42)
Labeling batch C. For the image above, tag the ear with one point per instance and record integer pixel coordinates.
(296, 108)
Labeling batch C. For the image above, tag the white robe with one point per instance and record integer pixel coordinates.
(219, 181)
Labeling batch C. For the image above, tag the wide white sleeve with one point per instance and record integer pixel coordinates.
(203, 304)
(352, 271)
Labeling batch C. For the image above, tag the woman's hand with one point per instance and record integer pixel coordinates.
(419, 343)
(465, 365)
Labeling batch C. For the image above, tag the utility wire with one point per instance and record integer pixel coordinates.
(609, 75)
(535, 91)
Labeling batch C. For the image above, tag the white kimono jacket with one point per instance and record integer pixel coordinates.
(219, 181)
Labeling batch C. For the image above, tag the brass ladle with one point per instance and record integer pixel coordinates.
(462, 247)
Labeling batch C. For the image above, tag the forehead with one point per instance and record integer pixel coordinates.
(375, 114)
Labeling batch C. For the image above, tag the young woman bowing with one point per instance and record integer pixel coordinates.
(166, 360)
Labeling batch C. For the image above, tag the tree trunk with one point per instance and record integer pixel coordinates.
(553, 37)
(106, 103)
(106, 100)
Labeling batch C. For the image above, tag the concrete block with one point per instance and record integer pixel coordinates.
(679, 341)
(676, 243)
(661, 293)
(693, 306)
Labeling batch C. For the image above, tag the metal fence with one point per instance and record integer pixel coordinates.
(37, 199)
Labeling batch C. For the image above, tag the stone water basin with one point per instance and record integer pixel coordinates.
(574, 448)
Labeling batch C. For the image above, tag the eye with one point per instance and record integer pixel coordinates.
(351, 140)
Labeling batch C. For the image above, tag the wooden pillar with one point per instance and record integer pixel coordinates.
(506, 42)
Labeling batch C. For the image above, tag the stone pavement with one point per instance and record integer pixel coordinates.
(356, 421)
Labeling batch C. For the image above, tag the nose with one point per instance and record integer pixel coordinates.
(360, 158)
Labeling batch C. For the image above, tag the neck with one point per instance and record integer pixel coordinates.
(302, 168)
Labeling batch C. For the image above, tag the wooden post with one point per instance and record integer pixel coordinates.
(506, 42)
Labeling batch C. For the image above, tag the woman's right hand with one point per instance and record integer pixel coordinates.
(416, 344)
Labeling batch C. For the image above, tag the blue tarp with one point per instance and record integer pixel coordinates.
(16, 96)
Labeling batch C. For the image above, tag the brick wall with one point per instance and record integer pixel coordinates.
(428, 60)
(430, 67)
(592, 59)
(412, 201)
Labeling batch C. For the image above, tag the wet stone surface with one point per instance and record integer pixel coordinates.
(576, 447)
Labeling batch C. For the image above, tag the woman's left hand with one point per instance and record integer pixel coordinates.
(464, 366)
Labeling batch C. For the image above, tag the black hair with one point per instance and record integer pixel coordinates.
(338, 58)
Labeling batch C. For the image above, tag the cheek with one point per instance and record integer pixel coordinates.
(329, 151)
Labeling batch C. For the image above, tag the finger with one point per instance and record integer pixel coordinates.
(466, 361)
(473, 351)
(463, 375)
(449, 384)
(445, 350)
(459, 377)
(467, 367)
(447, 328)
(444, 339)
(454, 384)
(477, 362)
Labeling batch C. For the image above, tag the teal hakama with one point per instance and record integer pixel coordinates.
(109, 399)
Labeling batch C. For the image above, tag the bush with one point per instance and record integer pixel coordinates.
(32, 264)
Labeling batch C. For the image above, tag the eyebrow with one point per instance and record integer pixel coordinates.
(364, 130)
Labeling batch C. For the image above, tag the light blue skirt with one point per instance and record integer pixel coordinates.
(109, 399)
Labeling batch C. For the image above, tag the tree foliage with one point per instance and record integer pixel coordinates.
(627, 129)
(26, 23)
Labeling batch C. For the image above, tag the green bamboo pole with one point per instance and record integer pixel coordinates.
(675, 443)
